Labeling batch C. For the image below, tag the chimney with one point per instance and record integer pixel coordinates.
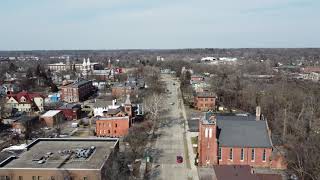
(258, 113)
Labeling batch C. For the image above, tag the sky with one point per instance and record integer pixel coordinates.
(158, 24)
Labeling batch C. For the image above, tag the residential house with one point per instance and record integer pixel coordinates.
(9, 88)
(23, 123)
(26, 101)
(53, 98)
(205, 101)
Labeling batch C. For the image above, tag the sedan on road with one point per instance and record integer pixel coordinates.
(179, 159)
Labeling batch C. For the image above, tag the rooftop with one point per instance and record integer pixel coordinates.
(63, 153)
(239, 130)
(206, 94)
(237, 133)
(78, 83)
(69, 106)
(25, 118)
(234, 172)
(51, 113)
(113, 118)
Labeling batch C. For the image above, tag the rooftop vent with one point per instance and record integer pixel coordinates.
(85, 152)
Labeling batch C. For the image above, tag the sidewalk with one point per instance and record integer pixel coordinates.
(192, 156)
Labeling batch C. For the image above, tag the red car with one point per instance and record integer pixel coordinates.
(179, 159)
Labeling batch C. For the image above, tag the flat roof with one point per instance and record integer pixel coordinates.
(51, 113)
(64, 153)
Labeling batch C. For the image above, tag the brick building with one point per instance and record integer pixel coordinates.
(234, 140)
(52, 118)
(24, 123)
(71, 111)
(112, 126)
(115, 122)
(131, 86)
(58, 158)
(205, 101)
(236, 172)
(77, 91)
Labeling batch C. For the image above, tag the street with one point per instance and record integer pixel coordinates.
(172, 140)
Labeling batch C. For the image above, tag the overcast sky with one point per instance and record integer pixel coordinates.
(158, 24)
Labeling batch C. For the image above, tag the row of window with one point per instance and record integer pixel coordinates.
(205, 99)
(106, 124)
(205, 105)
(242, 154)
(104, 131)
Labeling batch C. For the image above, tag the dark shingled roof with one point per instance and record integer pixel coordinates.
(239, 133)
(113, 111)
(234, 172)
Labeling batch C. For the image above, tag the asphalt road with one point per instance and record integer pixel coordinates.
(171, 141)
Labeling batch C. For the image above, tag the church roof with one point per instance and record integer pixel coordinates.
(237, 133)
(240, 131)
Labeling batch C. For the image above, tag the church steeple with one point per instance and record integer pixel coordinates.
(128, 106)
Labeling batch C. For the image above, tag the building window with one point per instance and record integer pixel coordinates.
(220, 153)
(52, 178)
(242, 154)
(252, 154)
(34, 178)
(115, 131)
(116, 125)
(20, 178)
(264, 155)
(85, 178)
(231, 154)
(4, 178)
(108, 131)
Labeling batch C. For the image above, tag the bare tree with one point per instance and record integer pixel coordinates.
(153, 105)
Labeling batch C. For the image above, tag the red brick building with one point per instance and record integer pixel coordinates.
(204, 101)
(71, 111)
(77, 91)
(131, 86)
(116, 122)
(112, 126)
(52, 118)
(234, 140)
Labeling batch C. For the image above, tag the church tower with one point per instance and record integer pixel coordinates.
(207, 140)
(84, 68)
(109, 64)
(128, 106)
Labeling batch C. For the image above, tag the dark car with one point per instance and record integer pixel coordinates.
(179, 159)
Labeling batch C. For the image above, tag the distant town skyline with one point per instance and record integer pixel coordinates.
(165, 24)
